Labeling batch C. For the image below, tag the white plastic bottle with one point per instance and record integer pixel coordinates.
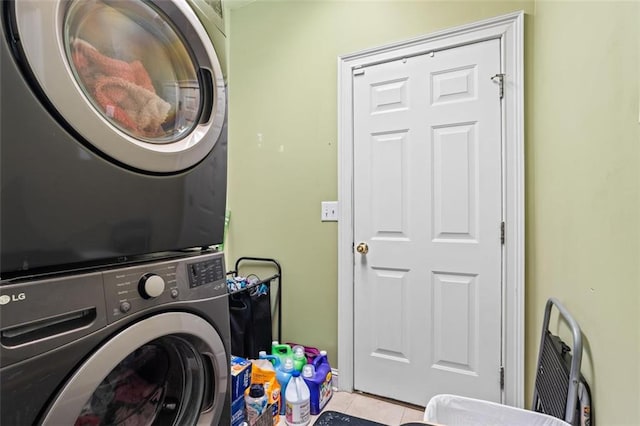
(297, 398)
(255, 402)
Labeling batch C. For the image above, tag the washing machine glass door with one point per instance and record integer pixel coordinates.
(140, 81)
(177, 376)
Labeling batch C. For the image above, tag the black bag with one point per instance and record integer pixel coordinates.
(250, 315)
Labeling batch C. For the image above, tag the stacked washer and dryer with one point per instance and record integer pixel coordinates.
(113, 153)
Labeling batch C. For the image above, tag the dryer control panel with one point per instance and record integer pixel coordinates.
(133, 289)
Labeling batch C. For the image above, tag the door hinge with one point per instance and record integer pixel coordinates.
(359, 71)
(502, 233)
(501, 378)
(500, 79)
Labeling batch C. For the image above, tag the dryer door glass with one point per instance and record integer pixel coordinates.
(134, 68)
(165, 381)
(138, 82)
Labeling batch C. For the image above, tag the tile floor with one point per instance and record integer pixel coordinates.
(370, 408)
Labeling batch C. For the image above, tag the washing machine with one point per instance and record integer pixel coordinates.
(113, 140)
(139, 345)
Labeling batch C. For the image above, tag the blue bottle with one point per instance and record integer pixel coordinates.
(274, 359)
(284, 366)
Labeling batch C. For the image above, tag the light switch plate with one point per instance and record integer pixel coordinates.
(329, 211)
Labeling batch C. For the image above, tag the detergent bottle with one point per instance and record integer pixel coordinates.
(317, 376)
(255, 402)
(297, 397)
(308, 375)
(283, 373)
(308, 371)
(275, 361)
(299, 357)
(282, 351)
(263, 362)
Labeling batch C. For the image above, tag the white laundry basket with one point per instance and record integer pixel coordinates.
(452, 410)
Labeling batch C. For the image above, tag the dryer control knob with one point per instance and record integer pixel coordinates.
(150, 285)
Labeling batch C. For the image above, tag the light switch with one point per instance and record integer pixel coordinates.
(329, 211)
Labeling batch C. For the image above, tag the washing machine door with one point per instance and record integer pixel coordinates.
(138, 80)
(169, 369)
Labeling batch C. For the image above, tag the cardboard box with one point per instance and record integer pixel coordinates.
(237, 412)
(240, 376)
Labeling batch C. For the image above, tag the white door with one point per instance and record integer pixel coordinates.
(428, 207)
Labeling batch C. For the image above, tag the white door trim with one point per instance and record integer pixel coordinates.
(510, 30)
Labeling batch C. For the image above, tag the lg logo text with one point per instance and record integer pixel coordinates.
(4, 299)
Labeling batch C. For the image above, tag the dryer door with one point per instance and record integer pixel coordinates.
(169, 369)
(139, 81)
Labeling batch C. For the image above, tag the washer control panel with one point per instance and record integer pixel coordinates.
(205, 272)
(133, 289)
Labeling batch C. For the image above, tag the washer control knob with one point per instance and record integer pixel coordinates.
(125, 307)
(150, 285)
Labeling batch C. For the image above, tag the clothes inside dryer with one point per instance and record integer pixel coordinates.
(134, 68)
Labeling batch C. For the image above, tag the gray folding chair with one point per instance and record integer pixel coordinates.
(560, 390)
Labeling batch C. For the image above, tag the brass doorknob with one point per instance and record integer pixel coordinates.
(362, 248)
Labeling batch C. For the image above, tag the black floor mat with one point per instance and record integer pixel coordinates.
(333, 418)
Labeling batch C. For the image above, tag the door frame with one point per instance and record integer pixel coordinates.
(510, 30)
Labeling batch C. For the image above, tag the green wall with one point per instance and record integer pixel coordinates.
(583, 189)
(582, 162)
